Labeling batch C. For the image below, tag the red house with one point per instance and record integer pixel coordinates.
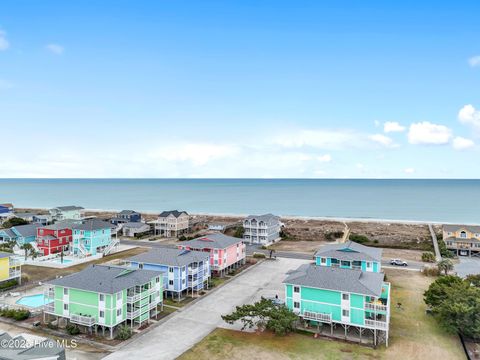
(52, 238)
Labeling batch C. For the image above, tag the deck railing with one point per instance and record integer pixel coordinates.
(49, 308)
(133, 314)
(382, 325)
(310, 315)
(82, 319)
(375, 307)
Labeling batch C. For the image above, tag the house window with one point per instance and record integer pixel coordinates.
(119, 296)
(170, 269)
(119, 312)
(345, 297)
(65, 291)
(296, 289)
(323, 261)
(102, 297)
(65, 306)
(345, 313)
(296, 305)
(140, 266)
(345, 263)
(463, 235)
(170, 282)
(183, 281)
(157, 279)
(101, 314)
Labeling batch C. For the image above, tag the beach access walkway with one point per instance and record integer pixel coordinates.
(192, 323)
(438, 255)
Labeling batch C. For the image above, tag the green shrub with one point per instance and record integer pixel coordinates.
(17, 315)
(428, 257)
(259, 256)
(124, 333)
(375, 241)
(8, 284)
(72, 329)
(182, 238)
(443, 250)
(360, 239)
(239, 231)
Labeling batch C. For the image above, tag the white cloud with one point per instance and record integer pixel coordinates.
(393, 126)
(382, 140)
(55, 49)
(470, 116)
(4, 44)
(428, 133)
(377, 123)
(474, 61)
(197, 154)
(460, 143)
(322, 139)
(409, 170)
(324, 158)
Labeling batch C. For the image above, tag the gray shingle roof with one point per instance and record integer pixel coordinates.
(26, 230)
(9, 233)
(345, 280)
(63, 224)
(175, 213)
(267, 218)
(453, 228)
(211, 241)
(106, 279)
(171, 257)
(69, 208)
(135, 225)
(4, 254)
(92, 224)
(127, 212)
(350, 251)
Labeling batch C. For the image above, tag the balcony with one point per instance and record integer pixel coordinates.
(49, 308)
(375, 307)
(381, 325)
(310, 315)
(193, 271)
(133, 314)
(82, 319)
(14, 262)
(136, 297)
(14, 273)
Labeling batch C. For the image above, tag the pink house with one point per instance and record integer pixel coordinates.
(226, 252)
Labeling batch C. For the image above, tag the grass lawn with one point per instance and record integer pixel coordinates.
(414, 335)
(40, 273)
(178, 304)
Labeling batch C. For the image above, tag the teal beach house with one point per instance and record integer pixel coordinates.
(103, 297)
(342, 294)
(92, 237)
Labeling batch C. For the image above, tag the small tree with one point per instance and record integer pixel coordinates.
(438, 290)
(239, 231)
(14, 222)
(445, 265)
(264, 314)
(26, 248)
(124, 333)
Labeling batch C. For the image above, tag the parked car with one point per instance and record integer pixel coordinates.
(398, 262)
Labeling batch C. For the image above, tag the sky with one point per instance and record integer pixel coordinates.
(240, 89)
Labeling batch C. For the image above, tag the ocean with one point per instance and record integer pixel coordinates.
(453, 201)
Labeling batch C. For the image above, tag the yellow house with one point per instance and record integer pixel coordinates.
(462, 239)
(10, 267)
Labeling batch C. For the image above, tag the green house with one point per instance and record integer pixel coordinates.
(328, 297)
(103, 297)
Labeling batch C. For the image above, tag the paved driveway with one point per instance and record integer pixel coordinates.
(467, 266)
(187, 327)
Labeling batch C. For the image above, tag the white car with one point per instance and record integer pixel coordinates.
(398, 262)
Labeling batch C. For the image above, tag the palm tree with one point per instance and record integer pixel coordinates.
(26, 247)
(33, 253)
(445, 265)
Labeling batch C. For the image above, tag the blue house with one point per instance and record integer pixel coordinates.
(184, 271)
(126, 216)
(350, 255)
(22, 234)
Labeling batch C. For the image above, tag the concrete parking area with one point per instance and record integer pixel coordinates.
(467, 266)
(192, 323)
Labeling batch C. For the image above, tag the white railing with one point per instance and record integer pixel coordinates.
(81, 248)
(113, 243)
(193, 271)
(133, 298)
(133, 314)
(310, 315)
(14, 273)
(382, 325)
(82, 320)
(140, 295)
(14, 262)
(152, 305)
(375, 307)
(49, 308)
